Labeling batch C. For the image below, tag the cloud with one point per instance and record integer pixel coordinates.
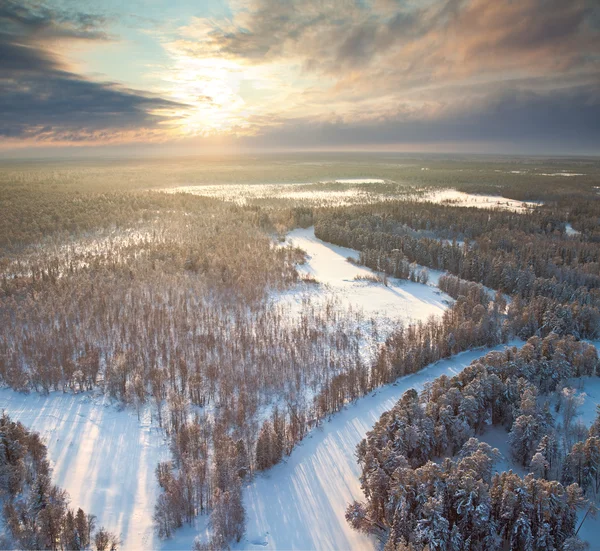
(41, 99)
(331, 36)
(520, 120)
(385, 71)
(327, 72)
(36, 21)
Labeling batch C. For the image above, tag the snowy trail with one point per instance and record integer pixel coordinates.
(300, 504)
(103, 457)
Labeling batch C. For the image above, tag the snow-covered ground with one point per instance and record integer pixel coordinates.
(103, 457)
(461, 199)
(567, 174)
(570, 230)
(360, 181)
(328, 265)
(497, 437)
(300, 504)
(242, 194)
(355, 193)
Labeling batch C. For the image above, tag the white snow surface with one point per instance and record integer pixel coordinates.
(242, 194)
(567, 174)
(300, 504)
(401, 299)
(462, 199)
(360, 181)
(103, 457)
(497, 437)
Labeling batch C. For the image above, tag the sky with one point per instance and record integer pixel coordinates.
(409, 75)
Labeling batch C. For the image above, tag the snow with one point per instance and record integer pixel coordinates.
(497, 437)
(103, 457)
(588, 389)
(462, 199)
(570, 230)
(300, 504)
(243, 194)
(360, 181)
(568, 174)
(400, 300)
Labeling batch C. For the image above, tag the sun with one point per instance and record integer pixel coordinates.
(211, 90)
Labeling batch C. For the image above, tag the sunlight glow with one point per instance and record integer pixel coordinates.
(212, 87)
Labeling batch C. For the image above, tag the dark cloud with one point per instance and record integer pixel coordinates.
(334, 35)
(35, 21)
(40, 99)
(521, 120)
(519, 72)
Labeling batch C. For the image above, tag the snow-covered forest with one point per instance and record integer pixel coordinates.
(221, 339)
(429, 482)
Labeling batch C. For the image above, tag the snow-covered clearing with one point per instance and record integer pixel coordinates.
(497, 437)
(103, 457)
(461, 199)
(360, 181)
(243, 194)
(300, 504)
(570, 230)
(325, 193)
(328, 264)
(567, 174)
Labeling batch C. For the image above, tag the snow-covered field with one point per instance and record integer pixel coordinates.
(567, 174)
(309, 192)
(305, 191)
(360, 181)
(461, 199)
(328, 265)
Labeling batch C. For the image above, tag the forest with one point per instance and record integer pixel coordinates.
(428, 480)
(164, 302)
